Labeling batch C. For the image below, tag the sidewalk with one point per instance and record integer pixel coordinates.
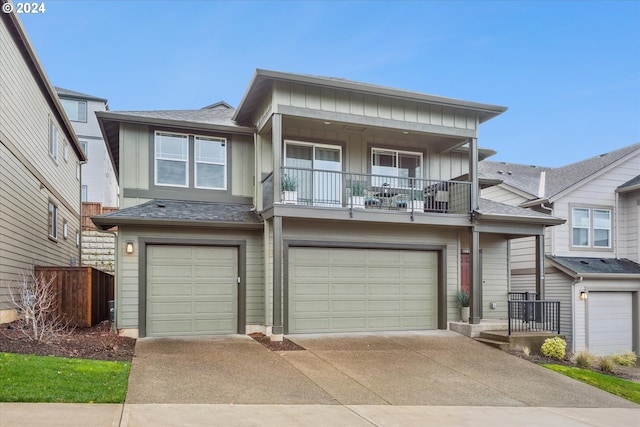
(138, 415)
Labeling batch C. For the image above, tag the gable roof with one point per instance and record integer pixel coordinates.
(631, 185)
(159, 212)
(596, 267)
(67, 93)
(262, 80)
(527, 178)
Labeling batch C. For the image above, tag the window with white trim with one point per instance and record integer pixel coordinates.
(54, 137)
(395, 163)
(210, 163)
(171, 159)
(590, 227)
(85, 147)
(53, 221)
(65, 229)
(76, 110)
(83, 193)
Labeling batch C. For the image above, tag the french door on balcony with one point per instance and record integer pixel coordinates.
(317, 173)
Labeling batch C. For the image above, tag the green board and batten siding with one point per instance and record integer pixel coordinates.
(350, 290)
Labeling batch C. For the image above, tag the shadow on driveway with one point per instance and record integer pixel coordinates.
(434, 368)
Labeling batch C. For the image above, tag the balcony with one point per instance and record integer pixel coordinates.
(353, 191)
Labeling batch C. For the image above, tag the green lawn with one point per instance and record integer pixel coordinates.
(626, 389)
(26, 378)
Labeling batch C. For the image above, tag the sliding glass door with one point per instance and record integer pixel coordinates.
(317, 173)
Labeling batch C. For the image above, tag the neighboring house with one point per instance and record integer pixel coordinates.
(99, 181)
(40, 159)
(592, 260)
(318, 205)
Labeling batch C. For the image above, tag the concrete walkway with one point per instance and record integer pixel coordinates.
(393, 379)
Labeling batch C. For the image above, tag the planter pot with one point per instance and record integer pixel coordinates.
(464, 314)
(415, 205)
(356, 201)
(290, 197)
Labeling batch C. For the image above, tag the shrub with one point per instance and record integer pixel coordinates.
(607, 364)
(463, 299)
(554, 347)
(584, 359)
(625, 359)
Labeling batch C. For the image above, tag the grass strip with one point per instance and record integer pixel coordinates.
(28, 378)
(626, 389)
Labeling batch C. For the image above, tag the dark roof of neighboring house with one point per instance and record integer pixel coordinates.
(584, 266)
(262, 80)
(67, 93)
(527, 177)
(493, 210)
(181, 212)
(632, 184)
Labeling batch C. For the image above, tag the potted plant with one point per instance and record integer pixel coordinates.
(417, 202)
(357, 194)
(289, 190)
(464, 301)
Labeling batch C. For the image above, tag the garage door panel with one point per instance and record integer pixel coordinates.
(365, 289)
(191, 290)
(610, 322)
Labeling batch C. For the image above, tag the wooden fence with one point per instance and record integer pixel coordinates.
(90, 209)
(84, 293)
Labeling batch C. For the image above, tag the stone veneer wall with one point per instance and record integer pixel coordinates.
(99, 250)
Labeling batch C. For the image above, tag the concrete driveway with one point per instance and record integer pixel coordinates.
(438, 368)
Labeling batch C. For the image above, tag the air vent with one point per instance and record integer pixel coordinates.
(161, 205)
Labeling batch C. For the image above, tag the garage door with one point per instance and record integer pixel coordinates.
(191, 290)
(349, 290)
(610, 324)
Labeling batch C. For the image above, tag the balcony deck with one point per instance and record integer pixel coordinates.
(367, 193)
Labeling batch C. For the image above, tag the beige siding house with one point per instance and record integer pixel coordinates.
(40, 159)
(592, 263)
(318, 205)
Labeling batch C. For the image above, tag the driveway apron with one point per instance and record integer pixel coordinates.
(402, 369)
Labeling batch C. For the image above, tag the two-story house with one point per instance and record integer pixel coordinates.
(40, 159)
(318, 205)
(592, 263)
(99, 181)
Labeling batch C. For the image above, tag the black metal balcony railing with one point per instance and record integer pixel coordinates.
(522, 296)
(534, 316)
(312, 187)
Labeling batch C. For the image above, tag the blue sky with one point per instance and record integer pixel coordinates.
(569, 72)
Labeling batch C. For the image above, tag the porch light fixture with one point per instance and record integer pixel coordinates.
(129, 247)
(584, 295)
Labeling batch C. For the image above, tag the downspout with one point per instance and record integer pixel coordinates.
(616, 231)
(574, 293)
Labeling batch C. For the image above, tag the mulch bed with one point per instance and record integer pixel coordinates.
(97, 342)
(284, 345)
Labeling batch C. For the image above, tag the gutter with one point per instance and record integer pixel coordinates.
(105, 224)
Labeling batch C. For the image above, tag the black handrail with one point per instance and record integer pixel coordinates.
(534, 316)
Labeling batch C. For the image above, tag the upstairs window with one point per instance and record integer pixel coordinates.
(76, 110)
(393, 163)
(171, 159)
(591, 228)
(211, 163)
(54, 136)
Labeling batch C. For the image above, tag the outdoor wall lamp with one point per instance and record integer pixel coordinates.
(129, 247)
(584, 295)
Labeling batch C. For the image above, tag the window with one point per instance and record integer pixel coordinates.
(77, 238)
(53, 221)
(84, 145)
(76, 110)
(392, 163)
(591, 228)
(65, 153)
(65, 229)
(83, 193)
(211, 163)
(171, 159)
(53, 140)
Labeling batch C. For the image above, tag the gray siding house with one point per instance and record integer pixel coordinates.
(99, 181)
(592, 261)
(318, 205)
(40, 159)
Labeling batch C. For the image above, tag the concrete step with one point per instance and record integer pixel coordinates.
(502, 336)
(500, 345)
